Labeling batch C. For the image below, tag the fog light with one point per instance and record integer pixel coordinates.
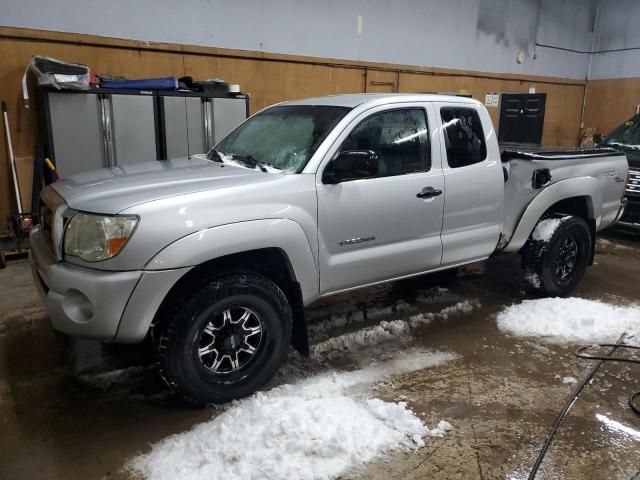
(77, 306)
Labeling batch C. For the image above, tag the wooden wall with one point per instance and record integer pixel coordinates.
(268, 78)
(611, 102)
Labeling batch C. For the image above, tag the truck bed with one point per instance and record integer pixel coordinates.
(608, 166)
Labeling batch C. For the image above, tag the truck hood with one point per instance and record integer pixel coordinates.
(111, 190)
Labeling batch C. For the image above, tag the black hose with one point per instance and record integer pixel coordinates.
(634, 398)
(565, 409)
(634, 402)
(580, 353)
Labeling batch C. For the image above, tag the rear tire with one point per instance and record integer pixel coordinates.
(556, 256)
(226, 339)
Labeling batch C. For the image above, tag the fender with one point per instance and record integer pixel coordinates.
(216, 242)
(572, 187)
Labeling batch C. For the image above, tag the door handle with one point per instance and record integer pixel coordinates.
(428, 192)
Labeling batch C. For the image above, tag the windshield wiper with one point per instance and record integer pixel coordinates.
(623, 146)
(214, 155)
(250, 161)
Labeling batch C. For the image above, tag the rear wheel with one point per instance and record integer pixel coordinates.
(226, 339)
(557, 254)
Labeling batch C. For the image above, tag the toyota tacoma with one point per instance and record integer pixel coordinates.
(214, 257)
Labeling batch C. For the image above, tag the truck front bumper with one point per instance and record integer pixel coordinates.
(99, 304)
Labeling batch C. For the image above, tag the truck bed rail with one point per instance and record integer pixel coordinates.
(525, 154)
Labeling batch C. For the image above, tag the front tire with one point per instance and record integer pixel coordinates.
(226, 339)
(556, 256)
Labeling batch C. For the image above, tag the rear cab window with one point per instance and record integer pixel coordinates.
(463, 136)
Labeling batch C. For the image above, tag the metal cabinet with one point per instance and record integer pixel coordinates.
(132, 122)
(75, 128)
(194, 123)
(228, 113)
(176, 126)
(104, 128)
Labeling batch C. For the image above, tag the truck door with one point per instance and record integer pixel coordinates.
(386, 226)
(474, 183)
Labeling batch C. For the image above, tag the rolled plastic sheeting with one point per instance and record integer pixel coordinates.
(165, 83)
(60, 74)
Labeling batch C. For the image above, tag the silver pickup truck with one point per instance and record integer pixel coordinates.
(215, 256)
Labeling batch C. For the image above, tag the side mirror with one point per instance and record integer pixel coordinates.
(351, 165)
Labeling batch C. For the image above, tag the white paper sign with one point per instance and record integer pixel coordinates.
(532, 90)
(488, 98)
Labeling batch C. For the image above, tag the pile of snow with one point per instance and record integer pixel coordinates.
(387, 331)
(324, 318)
(576, 320)
(316, 429)
(442, 428)
(546, 228)
(383, 332)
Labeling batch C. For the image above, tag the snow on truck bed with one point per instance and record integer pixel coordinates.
(315, 429)
(570, 320)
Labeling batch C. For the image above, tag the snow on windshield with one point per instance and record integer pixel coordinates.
(228, 159)
(283, 137)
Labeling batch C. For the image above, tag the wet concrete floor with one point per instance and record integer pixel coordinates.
(78, 409)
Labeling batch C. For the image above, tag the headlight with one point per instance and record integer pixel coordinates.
(98, 237)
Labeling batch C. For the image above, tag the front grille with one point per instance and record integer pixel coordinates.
(631, 213)
(633, 187)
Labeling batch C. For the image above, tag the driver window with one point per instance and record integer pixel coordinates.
(399, 138)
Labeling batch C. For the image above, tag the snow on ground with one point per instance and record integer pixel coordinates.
(323, 319)
(315, 429)
(383, 332)
(387, 331)
(572, 320)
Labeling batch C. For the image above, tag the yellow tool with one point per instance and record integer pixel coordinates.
(51, 166)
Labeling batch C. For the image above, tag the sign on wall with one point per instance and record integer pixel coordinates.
(491, 99)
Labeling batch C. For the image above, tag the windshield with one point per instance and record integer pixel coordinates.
(626, 135)
(283, 137)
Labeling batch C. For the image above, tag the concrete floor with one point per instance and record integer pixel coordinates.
(61, 416)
